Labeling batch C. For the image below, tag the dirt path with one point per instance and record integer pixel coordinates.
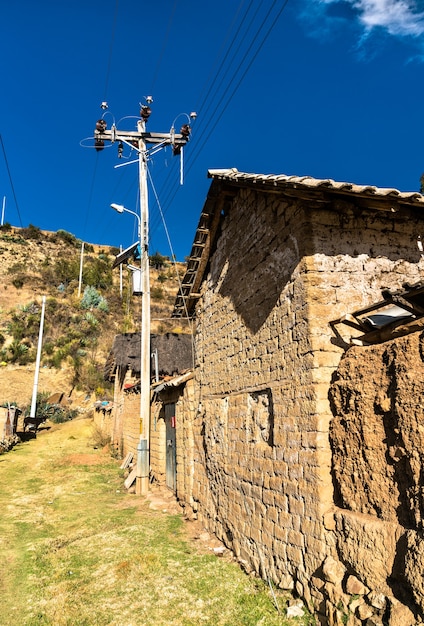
(78, 550)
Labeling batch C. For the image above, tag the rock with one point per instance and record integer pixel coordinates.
(355, 587)
(414, 565)
(374, 621)
(400, 614)
(369, 545)
(286, 582)
(377, 600)
(295, 610)
(333, 570)
(355, 604)
(364, 611)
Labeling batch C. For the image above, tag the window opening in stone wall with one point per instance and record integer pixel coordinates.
(260, 417)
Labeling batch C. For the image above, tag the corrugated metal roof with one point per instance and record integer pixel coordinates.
(308, 182)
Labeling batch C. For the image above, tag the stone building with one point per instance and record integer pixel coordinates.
(171, 368)
(275, 260)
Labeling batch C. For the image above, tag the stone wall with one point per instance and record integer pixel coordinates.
(185, 412)
(124, 429)
(125, 421)
(281, 271)
(377, 442)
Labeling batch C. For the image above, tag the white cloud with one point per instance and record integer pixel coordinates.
(397, 17)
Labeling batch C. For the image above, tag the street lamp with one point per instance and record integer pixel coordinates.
(143, 448)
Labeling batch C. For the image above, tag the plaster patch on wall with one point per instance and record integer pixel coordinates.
(218, 426)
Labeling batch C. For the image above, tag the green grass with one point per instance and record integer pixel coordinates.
(78, 550)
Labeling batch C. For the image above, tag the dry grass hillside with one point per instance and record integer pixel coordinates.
(79, 327)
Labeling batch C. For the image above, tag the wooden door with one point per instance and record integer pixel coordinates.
(171, 450)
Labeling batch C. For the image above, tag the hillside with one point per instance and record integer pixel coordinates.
(79, 327)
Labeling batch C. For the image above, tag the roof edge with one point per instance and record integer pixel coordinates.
(310, 183)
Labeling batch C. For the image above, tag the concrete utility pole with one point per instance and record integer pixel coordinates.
(139, 140)
(38, 360)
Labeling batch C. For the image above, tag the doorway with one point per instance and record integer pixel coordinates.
(171, 448)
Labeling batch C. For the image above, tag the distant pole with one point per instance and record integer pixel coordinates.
(155, 356)
(80, 272)
(120, 275)
(2, 211)
(37, 362)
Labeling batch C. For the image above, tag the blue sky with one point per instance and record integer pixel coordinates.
(307, 87)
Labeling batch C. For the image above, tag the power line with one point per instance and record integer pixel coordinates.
(228, 99)
(108, 68)
(232, 70)
(112, 40)
(164, 44)
(11, 181)
(210, 81)
(206, 121)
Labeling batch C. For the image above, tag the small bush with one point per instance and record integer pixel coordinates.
(32, 232)
(99, 438)
(156, 293)
(93, 300)
(18, 282)
(16, 267)
(158, 261)
(68, 238)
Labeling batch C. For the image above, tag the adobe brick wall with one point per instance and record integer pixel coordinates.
(281, 271)
(125, 419)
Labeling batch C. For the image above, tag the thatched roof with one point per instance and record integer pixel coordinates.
(175, 354)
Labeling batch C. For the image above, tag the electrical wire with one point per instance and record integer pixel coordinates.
(105, 92)
(169, 188)
(164, 44)
(169, 192)
(214, 80)
(231, 71)
(188, 319)
(112, 41)
(229, 98)
(11, 181)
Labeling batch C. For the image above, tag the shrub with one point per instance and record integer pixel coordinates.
(68, 238)
(18, 282)
(97, 272)
(54, 412)
(32, 232)
(93, 300)
(158, 261)
(156, 293)
(16, 267)
(20, 353)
